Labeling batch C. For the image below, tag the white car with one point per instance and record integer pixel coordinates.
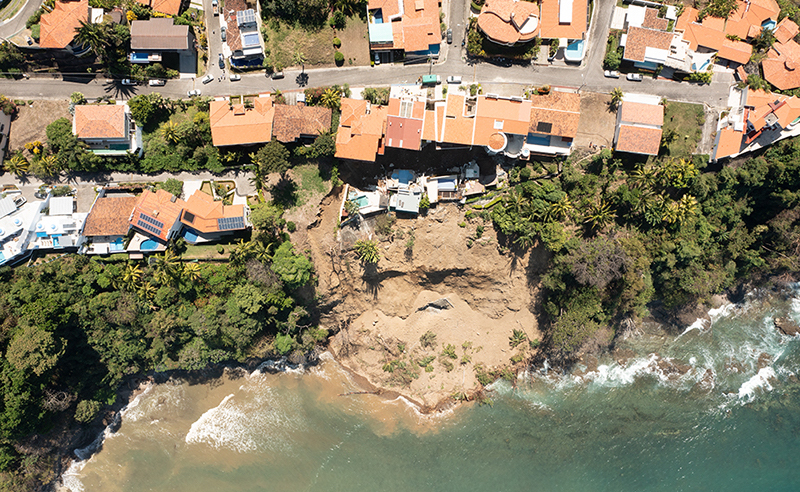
(156, 82)
(193, 92)
(235, 76)
(634, 77)
(612, 74)
(128, 82)
(208, 78)
(454, 79)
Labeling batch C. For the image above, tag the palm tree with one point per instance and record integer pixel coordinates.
(166, 266)
(644, 177)
(616, 96)
(91, 35)
(170, 132)
(191, 271)
(17, 165)
(560, 208)
(331, 98)
(299, 58)
(131, 276)
(348, 7)
(526, 241)
(50, 165)
(600, 215)
(147, 291)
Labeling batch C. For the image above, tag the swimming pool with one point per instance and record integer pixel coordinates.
(148, 245)
(574, 51)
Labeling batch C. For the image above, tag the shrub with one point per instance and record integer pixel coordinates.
(424, 202)
(428, 339)
(367, 251)
(337, 43)
(284, 343)
(86, 411)
(291, 226)
(338, 58)
(338, 20)
(376, 95)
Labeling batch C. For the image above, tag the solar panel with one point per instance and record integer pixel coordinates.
(151, 220)
(149, 228)
(246, 17)
(188, 217)
(230, 223)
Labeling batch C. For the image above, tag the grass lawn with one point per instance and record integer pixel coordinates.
(687, 121)
(284, 40)
(310, 182)
(205, 251)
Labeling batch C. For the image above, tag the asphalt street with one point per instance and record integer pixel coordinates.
(588, 76)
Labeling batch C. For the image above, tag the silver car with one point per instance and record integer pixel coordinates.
(634, 77)
(193, 92)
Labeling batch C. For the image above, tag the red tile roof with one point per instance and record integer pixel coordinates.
(562, 110)
(236, 125)
(785, 30)
(169, 7)
(456, 127)
(155, 213)
(551, 28)
(360, 134)
(645, 114)
(493, 115)
(99, 121)
(202, 213)
(403, 133)
(109, 216)
(58, 27)
(293, 122)
(638, 140)
(729, 142)
(782, 66)
(738, 51)
(417, 29)
(639, 39)
(500, 20)
(653, 21)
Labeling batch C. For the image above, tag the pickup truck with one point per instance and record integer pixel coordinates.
(215, 6)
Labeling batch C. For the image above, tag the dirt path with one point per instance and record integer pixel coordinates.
(706, 143)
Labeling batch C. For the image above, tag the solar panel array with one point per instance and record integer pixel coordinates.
(230, 223)
(150, 224)
(246, 17)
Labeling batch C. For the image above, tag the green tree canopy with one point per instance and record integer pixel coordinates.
(293, 269)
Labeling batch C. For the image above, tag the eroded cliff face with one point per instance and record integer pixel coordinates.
(381, 315)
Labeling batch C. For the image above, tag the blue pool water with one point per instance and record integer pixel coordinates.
(538, 139)
(190, 236)
(574, 51)
(148, 245)
(139, 57)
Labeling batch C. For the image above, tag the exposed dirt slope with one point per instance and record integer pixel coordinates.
(490, 292)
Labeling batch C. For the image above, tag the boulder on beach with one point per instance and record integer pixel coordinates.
(787, 326)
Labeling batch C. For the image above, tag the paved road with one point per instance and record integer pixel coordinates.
(17, 23)
(588, 77)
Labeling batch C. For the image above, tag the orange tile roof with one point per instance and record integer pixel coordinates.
(562, 110)
(499, 20)
(786, 30)
(645, 114)
(429, 128)
(653, 21)
(403, 133)
(688, 16)
(709, 34)
(293, 122)
(202, 213)
(417, 28)
(360, 134)
(550, 28)
(749, 15)
(109, 216)
(640, 39)
(388, 8)
(782, 66)
(737, 51)
(457, 128)
(58, 27)
(729, 142)
(785, 108)
(638, 140)
(237, 125)
(93, 121)
(156, 211)
(169, 7)
(493, 115)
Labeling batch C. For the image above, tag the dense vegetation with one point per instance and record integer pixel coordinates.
(622, 231)
(72, 329)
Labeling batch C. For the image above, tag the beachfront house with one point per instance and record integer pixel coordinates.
(107, 129)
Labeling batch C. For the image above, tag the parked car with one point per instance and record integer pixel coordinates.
(222, 33)
(156, 82)
(634, 77)
(215, 6)
(377, 59)
(454, 79)
(235, 77)
(208, 78)
(28, 40)
(128, 82)
(277, 75)
(449, 36)
(221, 61)
(612, 74)
(193, 92)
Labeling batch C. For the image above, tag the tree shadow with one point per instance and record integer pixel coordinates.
(116, 88)
(302, 79)
(371, 279)
(284, 192)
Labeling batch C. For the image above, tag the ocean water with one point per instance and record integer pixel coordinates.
(714, 408)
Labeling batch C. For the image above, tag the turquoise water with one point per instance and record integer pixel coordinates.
(148, 244)
(714, 408)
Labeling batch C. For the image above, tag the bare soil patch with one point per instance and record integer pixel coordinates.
(597, 122)
(31, 122)
(355, 44)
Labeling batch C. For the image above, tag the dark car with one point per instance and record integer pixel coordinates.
(449, 36)
(221, 61)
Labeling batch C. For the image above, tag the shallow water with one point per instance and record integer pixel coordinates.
(717, 407)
